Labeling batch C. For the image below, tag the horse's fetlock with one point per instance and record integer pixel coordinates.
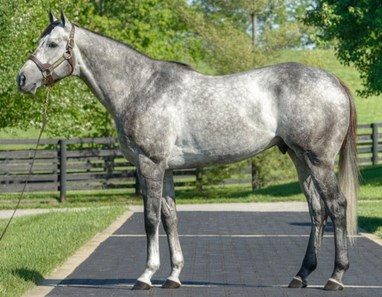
(342, 265)
(311, 266)
(153, 266)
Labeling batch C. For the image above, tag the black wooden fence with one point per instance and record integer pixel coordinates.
(369, 143)
(83, 164)
(67, 165)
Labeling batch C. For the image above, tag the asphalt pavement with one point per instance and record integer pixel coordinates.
(229, 251)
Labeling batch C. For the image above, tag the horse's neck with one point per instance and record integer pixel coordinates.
(112, 70)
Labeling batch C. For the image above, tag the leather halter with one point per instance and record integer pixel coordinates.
(47, 69)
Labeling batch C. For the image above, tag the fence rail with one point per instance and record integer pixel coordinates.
(96, 163)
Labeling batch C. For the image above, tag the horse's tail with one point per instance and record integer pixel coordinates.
(348, 168)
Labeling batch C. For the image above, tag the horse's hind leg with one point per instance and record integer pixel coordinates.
(318, 216)
(335, 202)
(170, 224)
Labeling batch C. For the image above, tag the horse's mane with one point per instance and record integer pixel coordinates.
(176, 63)
(59, 23)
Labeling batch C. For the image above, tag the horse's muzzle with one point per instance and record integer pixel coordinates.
(23, 84)
(21, 79)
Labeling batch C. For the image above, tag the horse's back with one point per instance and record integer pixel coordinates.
(236, 116)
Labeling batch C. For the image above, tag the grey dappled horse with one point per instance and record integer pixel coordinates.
(169, 116)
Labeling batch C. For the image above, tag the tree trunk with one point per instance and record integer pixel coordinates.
(254, 28)
(101, 7)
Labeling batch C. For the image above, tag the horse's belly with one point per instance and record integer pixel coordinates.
(218, 149)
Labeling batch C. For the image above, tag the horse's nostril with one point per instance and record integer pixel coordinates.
(20, 78)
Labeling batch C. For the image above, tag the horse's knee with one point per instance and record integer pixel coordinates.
(152, 223)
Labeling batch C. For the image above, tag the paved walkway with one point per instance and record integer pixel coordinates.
(257, 207)
(230, 250)
(6, 214)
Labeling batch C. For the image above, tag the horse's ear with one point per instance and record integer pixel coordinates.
(64, 20)
(52, 18)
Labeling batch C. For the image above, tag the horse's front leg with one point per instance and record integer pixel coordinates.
(151, 183)
(170, 224)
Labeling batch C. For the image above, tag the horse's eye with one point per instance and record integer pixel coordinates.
(52, 45)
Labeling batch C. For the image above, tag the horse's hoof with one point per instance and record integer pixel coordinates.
(333, 285)
(297, 283)
(141, 286)
(170, 284)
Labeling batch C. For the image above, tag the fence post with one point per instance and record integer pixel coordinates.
(255, 176)
(136, 186)
(374, 128)
(199, 179)
(62, 170)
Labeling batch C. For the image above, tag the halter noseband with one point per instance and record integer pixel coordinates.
(47, 69)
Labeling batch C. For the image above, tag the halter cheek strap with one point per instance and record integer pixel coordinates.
(47, 69)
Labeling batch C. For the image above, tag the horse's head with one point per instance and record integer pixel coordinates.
(53, 58)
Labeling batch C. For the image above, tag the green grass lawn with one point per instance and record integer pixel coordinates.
(17, 133)
(370, 216)
(35, 245)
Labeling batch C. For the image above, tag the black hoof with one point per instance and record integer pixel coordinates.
(141, 286)
(333, 285)
(297, 283)
(169, 284)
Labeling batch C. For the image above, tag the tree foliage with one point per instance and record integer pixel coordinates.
(279, 18)
(151, 26)
(356, 29)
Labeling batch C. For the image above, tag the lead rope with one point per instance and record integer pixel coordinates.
(44, 118)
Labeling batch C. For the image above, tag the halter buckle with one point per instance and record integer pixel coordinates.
(70, 44)
(46, 73)
(67, 55)
(48, 78)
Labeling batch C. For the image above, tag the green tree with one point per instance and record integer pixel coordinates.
(222, 42)
(355, 27)
(151, 26)
(280, 18)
